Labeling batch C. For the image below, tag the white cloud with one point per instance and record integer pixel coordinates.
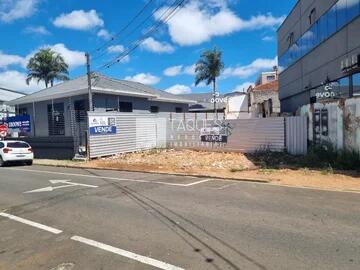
(9, 59)
(119, 49)
(179, 89)
(116, 49)
(173, 71)
(190, 70)
(40, 30)
(73, 58)
(11, 10)
(144, 78)
(152, 45)
(247, 71)
(198, 22)
(242, 87)
(103, 33)
(79, 20)
(16, 80)
(268, 38)
(179, 70)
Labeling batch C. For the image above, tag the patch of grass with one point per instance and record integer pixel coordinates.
(239, 168)
(324, 157)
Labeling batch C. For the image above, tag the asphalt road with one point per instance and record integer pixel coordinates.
(61, 219)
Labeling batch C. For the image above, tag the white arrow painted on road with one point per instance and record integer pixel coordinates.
(54, 182)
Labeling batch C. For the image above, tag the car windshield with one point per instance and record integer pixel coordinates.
(18, 145)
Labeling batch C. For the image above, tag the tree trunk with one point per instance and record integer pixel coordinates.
(52, 83)
(215, 97)
(46, 83)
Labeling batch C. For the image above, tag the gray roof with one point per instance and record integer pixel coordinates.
(100, 84)
(7, 95)
(203, 101)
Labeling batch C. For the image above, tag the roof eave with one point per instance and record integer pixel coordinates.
(121, 92)
(29, 100)
(183, 101)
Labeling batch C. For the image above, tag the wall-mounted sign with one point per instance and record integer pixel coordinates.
(19, 123)
(216, 134)
(328, 91)
(100, 125)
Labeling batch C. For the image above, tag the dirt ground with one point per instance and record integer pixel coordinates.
(218, 164)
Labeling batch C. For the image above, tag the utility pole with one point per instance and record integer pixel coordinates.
(87, 55)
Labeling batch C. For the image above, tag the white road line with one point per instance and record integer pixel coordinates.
(127, 254)
(198, 182)
(31, 223)
(111, 178)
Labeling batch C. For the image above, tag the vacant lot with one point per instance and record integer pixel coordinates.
(277, 168)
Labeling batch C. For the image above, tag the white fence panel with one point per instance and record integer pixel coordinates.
(296, 135)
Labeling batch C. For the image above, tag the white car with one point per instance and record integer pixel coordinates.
(16, 151)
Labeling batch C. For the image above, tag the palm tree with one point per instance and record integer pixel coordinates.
(208, 68)
(48, 66)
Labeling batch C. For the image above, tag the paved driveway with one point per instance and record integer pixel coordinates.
(57, 218)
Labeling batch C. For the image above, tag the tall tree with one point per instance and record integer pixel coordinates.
(48, 66)
(208, 68)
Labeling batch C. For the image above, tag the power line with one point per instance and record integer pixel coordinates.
(114, 37)
(136, 28)
(164, 18)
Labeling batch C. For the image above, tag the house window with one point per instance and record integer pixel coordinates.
(312, 16)
(270, 78)
(80, 110)
(154, 109)
(56, 119)
(125, 106)
(23, 111)
(178, 110)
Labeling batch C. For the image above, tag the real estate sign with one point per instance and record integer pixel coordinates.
(102, 125)
(214, 134)
(19, 123)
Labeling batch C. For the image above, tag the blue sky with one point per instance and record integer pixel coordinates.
(245, 30)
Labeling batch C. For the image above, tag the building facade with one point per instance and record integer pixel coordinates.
(7, 95)
(266, 77)
(61, 110)
(319, 53)
(264, 100)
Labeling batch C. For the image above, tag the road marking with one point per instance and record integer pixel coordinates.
(127, 254)
(111, 178)
(226, 186)
(197, 183)
(31, 223)
(67, 182)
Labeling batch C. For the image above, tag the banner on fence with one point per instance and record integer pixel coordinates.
(101, 125)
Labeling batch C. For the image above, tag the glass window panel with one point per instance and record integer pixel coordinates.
(356, 84)
(323, 29)
(315, 31)
(341, 13)
(331, 21)
(353, 9)
(344, 85)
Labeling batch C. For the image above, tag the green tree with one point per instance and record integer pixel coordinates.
(208, 68)
(48, 66)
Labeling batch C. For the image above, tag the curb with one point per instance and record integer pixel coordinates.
(249, 180)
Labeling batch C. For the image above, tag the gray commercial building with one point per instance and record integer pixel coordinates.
(7, 95)
(319, 52)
